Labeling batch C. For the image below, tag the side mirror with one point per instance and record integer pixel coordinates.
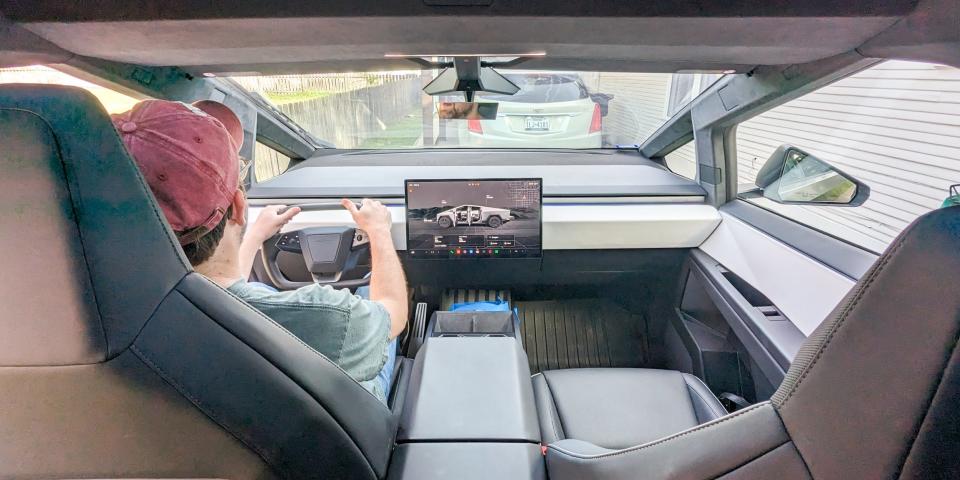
(792, 176)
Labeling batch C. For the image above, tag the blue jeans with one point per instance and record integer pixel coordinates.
(385, 377)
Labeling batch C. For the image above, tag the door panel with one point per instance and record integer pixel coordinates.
(728, 333)
(802, 287)
(750, 296)
(847, 259)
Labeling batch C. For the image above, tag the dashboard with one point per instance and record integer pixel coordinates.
(468, 208)
(480, 221)
(590, 199)
(631, 223)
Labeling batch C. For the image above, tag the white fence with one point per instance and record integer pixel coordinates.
(331, 83)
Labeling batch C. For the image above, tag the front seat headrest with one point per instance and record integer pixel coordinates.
(77, 223)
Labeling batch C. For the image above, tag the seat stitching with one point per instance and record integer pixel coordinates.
(658, 442)
(553, 418)
(363, 453)
(756, 457)
(200, 406)
(711, 405)
(280, 327)
(151, 202)
(843, 317)
(295, 381)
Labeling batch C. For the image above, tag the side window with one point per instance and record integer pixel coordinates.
(861, 158)
(683, 161)
(684, 87)
(113, 101)
(268, 163)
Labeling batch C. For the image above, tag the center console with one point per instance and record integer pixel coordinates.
(469, 410)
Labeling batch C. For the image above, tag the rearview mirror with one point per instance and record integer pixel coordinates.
(467, 110)
(794, 176)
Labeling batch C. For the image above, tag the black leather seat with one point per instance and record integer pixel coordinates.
(872, 394)
(620, 407)
(116, 360)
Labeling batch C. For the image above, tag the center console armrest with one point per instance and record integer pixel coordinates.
(467, 461)
(470, 388)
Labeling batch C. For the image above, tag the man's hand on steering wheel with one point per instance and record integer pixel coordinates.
(269, 222)
(372, 217)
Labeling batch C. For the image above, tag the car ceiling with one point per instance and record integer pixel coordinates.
(601, 35)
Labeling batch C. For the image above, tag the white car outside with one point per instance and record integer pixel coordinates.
(550, 110)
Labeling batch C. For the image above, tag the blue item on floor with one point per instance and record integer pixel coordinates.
(492, 306)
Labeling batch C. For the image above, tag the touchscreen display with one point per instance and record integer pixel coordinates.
(474, 218)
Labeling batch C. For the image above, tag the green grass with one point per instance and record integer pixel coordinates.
(280, 98)
(403, 133)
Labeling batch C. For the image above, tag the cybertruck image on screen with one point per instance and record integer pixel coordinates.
(471, 215)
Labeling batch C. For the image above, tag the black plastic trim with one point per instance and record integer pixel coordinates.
(845, 258)
(772, 344)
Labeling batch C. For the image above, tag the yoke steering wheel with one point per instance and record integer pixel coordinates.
(327, 252)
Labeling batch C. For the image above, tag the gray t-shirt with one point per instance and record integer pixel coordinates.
(352, 332)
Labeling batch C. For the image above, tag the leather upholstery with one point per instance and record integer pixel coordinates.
(705, 452)
(70, 235)
(118, 361)
(620, 407)
(872, 394)
(867, 393)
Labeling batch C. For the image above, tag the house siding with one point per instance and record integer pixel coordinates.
(638, 108)
(895, 127)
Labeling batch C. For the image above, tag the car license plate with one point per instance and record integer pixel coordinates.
(534, 124)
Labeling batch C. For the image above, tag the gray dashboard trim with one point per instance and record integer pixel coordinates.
(594, 191)
(394, 201)
(566, 173)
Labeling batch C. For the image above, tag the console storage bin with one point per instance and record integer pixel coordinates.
(478, 324)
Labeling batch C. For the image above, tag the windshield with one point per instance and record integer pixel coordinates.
(541, 88)
(570, 109)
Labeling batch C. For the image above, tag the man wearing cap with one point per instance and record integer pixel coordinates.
(188, 154)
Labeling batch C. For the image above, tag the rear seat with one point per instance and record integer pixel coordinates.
(620, 407)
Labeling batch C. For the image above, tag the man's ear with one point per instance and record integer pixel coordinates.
(239, 204)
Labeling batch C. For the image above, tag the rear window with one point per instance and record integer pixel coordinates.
(539, 88)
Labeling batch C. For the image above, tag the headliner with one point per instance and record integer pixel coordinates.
(601, 35)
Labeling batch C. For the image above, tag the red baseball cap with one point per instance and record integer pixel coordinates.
(189, 156)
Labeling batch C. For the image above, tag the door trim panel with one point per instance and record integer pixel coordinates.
(845, 258)
(771, 343)
(805, 290)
